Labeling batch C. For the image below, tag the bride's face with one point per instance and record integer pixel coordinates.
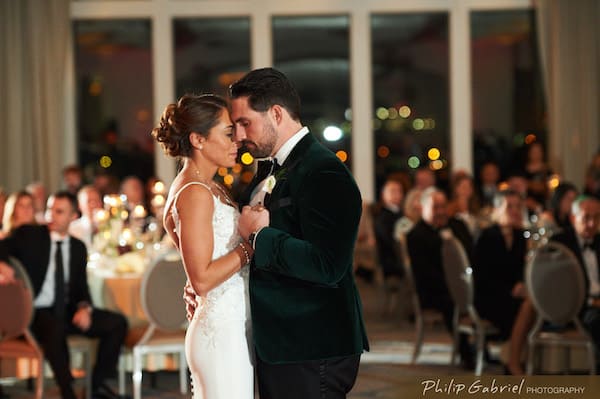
(220, 147)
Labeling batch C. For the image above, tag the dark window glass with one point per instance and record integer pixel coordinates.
(313, 52)
(210, 54)
(410, 93)
(114, 97)
(508, 105)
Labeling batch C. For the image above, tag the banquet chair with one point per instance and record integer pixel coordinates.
(422, 316)
(553, 269)
(16, 312)
(466, 320)
(161, 290)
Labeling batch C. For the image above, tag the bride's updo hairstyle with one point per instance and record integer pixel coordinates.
(192, 113)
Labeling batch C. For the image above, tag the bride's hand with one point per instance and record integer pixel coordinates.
(189, 297)
(252, 219)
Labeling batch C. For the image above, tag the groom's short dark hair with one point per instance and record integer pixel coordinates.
(266, 87)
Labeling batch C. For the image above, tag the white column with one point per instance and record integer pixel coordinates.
(363, 164)
(461, 129)
(261, 37)
(163, 80)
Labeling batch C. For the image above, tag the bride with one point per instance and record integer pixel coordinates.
(201, 219)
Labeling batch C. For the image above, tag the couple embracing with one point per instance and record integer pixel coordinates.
(271, 288)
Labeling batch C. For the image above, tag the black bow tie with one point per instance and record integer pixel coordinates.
(588, 245)
(266, 167)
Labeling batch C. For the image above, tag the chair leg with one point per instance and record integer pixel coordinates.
(455, 338)
(418, 338)
(480, 352)
(87, 354)
(591, 358)
(530, 353)
(137, 374)
(122, 374)
(183, 381)
(39, 384)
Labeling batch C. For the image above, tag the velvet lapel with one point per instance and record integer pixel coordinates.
(293, 159)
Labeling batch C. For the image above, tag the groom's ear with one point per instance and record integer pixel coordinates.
(276, 112)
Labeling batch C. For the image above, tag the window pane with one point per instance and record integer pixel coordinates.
(210, 53)
(114, 90)
(508, 105)
(410, 92)
(313, 52)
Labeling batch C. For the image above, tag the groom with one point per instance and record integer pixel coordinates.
(306, 312)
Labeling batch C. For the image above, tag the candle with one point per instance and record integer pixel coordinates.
(139, 212)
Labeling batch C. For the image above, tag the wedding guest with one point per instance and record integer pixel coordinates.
(18, 211)
(84, 228)
(365, 250)
(72, 178)
(424, 244)
(133, 188)
(105, 183)
(412, 213)
(424, 178)
(38, 192)
(592, 177)
(464, 204)
(537, 173)
(558, 215)
(390, 210)
(56, 265)
(489, 177)
(583, 239)
(498, 264)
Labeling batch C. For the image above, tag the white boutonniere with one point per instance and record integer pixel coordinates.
(270, 184)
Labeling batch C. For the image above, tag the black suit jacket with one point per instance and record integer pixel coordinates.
(390, 262)
(425, 249)
(569, 239)
(31, 245)
(496, 269)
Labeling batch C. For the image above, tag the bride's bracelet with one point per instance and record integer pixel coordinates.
(246, 253)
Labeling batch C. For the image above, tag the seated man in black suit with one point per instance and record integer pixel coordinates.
(56, 265)
(584, 240)
(425, 250)
(388, 213)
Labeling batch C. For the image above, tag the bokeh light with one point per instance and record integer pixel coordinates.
(383, 151)
(342, 155)
(247, 159)
(404, 111)
(433, 154)
(414, 162)
(332, 133)
(105, 161)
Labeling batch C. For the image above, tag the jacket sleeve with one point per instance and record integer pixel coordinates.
(329, 212)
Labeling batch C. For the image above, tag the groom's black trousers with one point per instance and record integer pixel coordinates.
(316, 379)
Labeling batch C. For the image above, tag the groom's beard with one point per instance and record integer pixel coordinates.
(264, 147)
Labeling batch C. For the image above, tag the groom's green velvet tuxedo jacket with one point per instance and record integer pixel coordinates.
(304, 301)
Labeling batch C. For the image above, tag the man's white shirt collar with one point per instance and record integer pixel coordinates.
(289, 145)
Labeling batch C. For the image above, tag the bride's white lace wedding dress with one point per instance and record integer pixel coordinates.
(218, 341)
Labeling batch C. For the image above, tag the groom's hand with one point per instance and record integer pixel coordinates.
(252, 219)
(189, 297)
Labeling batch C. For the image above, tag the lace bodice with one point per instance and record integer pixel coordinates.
(229, 299)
